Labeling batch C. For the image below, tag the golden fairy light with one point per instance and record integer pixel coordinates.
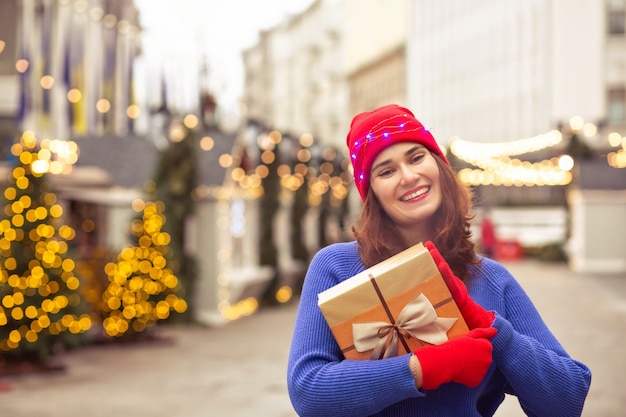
(617, 159)
(207, 143)
(275, 136)
(265, 142)
(22, 65)
(225, 160)
(74, 95)
(306, 140)
(615, 139)
(190, 121)
(133, 111)
(103, 105)
(177, 132)
(47, 81)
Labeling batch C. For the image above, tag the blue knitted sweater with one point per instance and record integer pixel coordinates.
(528, 361)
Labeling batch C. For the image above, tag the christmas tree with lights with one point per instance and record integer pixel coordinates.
(175, 180)
(41, 309)
(142, 288)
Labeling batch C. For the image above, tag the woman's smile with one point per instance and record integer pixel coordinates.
(415, 194)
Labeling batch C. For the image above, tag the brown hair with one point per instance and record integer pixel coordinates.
(378, 238)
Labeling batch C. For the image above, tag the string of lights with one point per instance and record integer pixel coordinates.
(495, 165)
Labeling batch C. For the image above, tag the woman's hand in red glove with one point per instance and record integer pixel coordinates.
(475, 315)
(464, 360)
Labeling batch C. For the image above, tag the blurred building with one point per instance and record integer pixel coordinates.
(486, 71)
(294, 79)
(489, 72)
(500, 71)
(311, 73)
(503, 70)
(67, 69)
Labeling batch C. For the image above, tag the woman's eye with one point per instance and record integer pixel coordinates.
(385, 172)
(417, 158)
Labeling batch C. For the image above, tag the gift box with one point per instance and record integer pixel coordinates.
(392, 308)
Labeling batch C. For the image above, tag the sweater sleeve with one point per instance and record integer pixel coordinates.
(546, 380)
(320, 381)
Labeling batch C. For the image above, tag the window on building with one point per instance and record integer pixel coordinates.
(617, 17)
(617, 105)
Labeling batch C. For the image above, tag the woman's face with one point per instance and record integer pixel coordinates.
(405, 179)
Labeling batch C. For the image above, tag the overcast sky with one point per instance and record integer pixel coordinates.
(178, 36)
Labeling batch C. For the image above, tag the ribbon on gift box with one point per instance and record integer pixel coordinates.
(417, 319)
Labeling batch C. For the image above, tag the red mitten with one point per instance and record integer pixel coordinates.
(465, 360)
(475, 315)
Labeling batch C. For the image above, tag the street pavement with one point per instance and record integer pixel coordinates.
(238, 370)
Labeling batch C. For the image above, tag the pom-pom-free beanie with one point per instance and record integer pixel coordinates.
(372, 131)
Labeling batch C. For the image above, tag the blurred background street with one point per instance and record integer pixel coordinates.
(175, 165)
(239, 370)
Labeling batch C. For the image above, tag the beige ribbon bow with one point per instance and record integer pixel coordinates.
(418, 319)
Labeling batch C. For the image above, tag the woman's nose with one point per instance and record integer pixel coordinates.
(408, 175)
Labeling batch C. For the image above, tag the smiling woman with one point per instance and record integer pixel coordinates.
(410, 195)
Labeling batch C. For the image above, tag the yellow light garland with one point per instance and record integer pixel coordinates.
(497, 168)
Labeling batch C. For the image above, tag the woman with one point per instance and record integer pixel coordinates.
(412, 195)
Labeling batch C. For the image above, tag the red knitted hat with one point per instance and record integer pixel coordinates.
(372, 131)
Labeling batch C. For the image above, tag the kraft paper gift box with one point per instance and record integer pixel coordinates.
(392, 308)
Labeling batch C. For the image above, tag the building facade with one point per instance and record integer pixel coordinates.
(67, 67)
(311, 73)
(497, 72)
(486, 71)
(489, 72)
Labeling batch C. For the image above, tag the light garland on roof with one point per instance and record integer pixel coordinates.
(496, 167)
(54, 156)
(478, 153)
